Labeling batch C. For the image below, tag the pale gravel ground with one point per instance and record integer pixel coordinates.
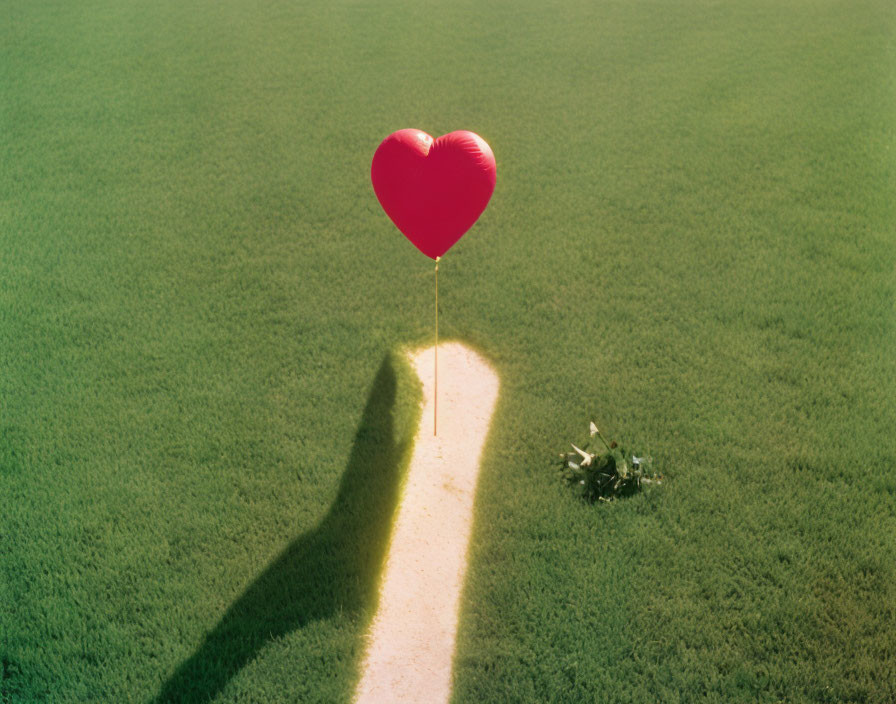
(410, 645)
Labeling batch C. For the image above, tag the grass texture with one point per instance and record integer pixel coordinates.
(691, 242)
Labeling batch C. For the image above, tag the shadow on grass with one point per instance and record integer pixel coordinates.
(331, 568)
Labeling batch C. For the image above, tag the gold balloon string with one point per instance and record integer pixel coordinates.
(435, 394)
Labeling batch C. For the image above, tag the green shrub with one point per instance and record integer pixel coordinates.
(602, 471)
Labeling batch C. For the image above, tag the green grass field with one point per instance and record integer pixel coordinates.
(204, 412)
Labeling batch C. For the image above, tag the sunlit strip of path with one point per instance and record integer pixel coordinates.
(410, 646)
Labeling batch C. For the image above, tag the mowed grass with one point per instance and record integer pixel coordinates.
(204, 416)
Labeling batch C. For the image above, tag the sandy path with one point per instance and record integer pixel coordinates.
(411, 641)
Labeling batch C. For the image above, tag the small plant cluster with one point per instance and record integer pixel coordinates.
(602, 471)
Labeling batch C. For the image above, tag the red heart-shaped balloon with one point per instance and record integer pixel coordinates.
(433, 190)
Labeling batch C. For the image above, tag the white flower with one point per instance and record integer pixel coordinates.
(593, 428)
(586, 457)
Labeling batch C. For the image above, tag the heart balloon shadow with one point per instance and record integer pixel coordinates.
(332, 568)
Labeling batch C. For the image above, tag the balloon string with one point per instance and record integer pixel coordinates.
(435, 395)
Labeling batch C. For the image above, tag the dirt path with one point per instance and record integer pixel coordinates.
(411, 641)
